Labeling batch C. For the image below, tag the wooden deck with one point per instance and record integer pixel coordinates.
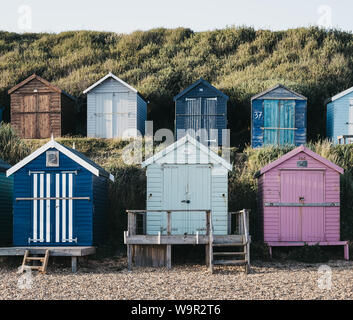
(155, 249)
(73, 252)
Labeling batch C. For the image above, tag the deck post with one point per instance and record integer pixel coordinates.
(210, 242)
(74, 264)
(169, 247)
(129, 257)
(169, 256)
(346, 251)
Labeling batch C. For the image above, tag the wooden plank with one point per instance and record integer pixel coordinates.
(325, 204)
(74, 264)
(181, 239)
(169, 256)
(54, 251)
(129, 257)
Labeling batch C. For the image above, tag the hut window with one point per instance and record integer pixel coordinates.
(52, 158)
(279, 122)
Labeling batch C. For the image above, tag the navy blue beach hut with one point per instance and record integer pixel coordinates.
(6, 190)
(201, 111)
(59, 198)
(278, 117)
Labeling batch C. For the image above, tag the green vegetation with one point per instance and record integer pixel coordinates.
(129, 189)
(161, 62)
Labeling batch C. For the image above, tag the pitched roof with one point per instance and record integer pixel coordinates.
(298, 95)
(4, 166)
(338, 95)
(195, 84)
(294, 152)
(71, 153)
(45, 82)
(110, 75)
(187, 138)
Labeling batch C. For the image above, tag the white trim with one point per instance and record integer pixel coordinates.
(47, 220)
(50, 145)
(197, 144)
(35, 207)
(109, 75)
(63, 224)
(41, 207)
(70, 206)
(57, 208)
(341, 94)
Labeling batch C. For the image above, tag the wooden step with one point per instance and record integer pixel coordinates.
(44, 262)
(228, 253)
(230, 262)
(229, 244)
(35, 259)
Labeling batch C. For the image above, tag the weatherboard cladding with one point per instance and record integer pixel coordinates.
(283, 96)
(87, 221)
(39, 109)
(129, 102)
(197, 169)
(191, 102)
(6, 194)
(338, 117)
(278, 183)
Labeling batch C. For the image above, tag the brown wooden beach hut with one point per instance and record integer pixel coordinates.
(40, 109)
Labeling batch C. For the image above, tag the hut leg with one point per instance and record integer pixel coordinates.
(129, 257)
(346, 251)
(169, 256)
(207, 260)
(74, 264)
(270, 250)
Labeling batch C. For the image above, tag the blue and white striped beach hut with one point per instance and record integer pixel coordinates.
(59, 198)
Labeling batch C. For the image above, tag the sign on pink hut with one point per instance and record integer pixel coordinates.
(299, 201)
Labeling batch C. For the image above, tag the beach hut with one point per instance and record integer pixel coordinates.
(59, 199)
(278, 117)
(6, 190)
(299, 200)
(339, 117)
(114, 109)
(201, 111)
(39, 109)
(187, 203)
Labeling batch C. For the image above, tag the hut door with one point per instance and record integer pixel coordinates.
(104, 116)
(28, 117)
(53, 208)
(187, 187)
(304, 223)
(44, 125)
(313, 217)
(120, 114)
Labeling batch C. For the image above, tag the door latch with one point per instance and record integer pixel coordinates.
(185, 201)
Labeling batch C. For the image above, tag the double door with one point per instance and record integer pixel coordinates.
(53, 208)
(187, 187)
(304, 222)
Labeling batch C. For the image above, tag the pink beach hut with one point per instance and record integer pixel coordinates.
(299, 200)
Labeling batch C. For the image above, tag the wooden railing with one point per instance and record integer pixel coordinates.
(344, 138)
(132, 219)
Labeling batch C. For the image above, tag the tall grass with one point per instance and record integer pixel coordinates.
(129, 189)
